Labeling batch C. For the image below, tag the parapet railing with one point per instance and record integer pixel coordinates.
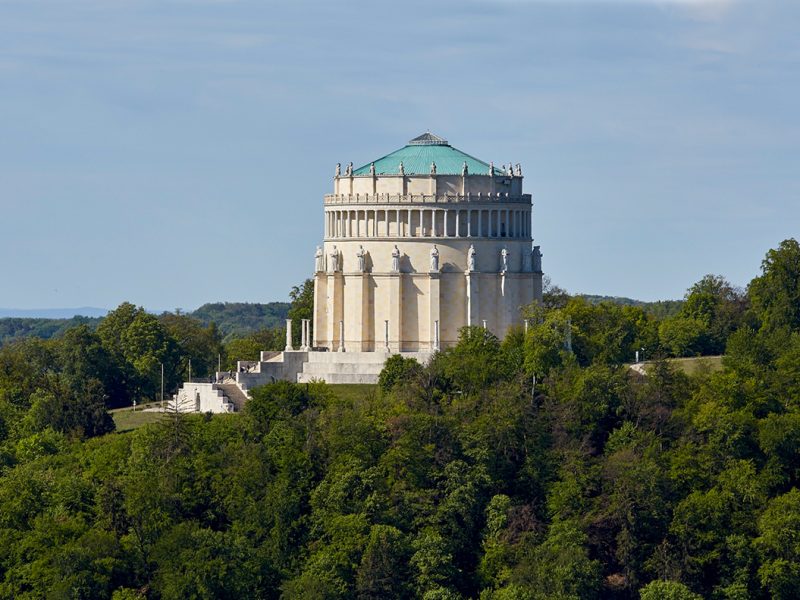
(425, 198)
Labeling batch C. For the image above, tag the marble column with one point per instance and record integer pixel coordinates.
(289, 347)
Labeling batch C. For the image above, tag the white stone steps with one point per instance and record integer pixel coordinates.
(336, 378)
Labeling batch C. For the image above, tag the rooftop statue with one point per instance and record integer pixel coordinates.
(372, 169)
(464, 170)
(519, 170)
(491, 168)
(338, 169)
(401, 170)
(433, 168)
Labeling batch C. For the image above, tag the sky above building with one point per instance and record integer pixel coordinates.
(175, 152)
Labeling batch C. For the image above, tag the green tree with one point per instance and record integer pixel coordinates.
(80, 410)
(714, 302)
(547, 342)
(668, 590)
(139, 344)
(560, 567)
(383, 572)
(682, 335)
(775, 294)
(779, 546)
(302, 307)
(196, 342)
(397, 370)
(251, 346)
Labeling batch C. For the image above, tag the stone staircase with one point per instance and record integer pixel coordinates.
(349, 367)
(230, 392)
(234, 394)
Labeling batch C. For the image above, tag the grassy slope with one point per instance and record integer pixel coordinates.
(126, 420)
(692, 365)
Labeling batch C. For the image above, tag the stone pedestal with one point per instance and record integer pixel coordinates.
(434, 307)
(395, 299)
(359, 327)
(473, 298)
(335, 303)
(320, 280)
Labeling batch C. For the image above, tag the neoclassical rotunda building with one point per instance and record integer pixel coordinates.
(418, 244)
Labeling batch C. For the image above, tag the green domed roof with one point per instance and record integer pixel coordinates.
(418, 155)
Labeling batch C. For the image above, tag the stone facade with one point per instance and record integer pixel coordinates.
(359, 293)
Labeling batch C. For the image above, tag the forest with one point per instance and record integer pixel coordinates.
(539, 466)
(232, 320)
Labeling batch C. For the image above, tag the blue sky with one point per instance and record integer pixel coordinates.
(173, 153)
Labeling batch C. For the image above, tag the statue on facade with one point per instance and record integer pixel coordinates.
(471, 258)
(504, 259)
(395, 259)
(338, 169)
(434, 259)
(319, 260)
(334, 260)
(361, 256)
(526, 262)
(537, 260)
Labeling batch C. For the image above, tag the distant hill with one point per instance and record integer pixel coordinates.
(659, 308)
(240, 318)
(13, 328)
(52, 313)
(232, 318)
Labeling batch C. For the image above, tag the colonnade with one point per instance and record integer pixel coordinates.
(428, 222)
